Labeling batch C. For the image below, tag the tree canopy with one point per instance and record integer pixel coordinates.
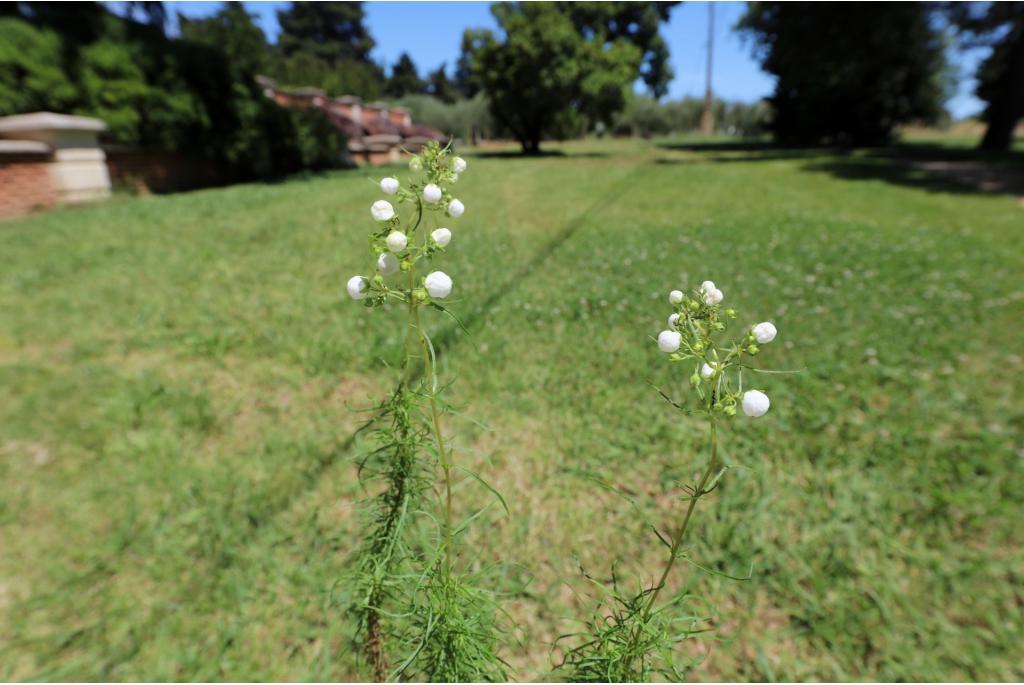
(848, 73)
(405, 79)
(637, 22)
(548, 76)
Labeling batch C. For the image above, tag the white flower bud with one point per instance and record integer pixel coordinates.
(387, 263)
(455, 208)
(396, 241)
(357, 287)
(455, 178)
(673, 319)
(764, 332)
(707, 370)
(438, 284)
(389, 185)
(675, 297)
(441, 236)
(713, 296)
(382, 210)
(669, 341)
(755, 403)
(459, 164)
(431, 194)
(707, 286)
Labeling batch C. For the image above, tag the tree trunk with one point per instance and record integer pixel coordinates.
(1008, 106)
(531, 146)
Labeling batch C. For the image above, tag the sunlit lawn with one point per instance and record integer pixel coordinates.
(179, 380)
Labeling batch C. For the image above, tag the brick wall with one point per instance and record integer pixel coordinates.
(25, 184)
(155, 171)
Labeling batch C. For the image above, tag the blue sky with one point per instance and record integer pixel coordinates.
(430, 32)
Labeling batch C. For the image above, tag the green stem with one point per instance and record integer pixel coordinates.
(442, 453)
(677, 539)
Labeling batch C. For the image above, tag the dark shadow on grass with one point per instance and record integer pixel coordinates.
(543, 154)
(932, 167)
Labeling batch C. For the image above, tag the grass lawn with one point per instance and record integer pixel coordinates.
(179, 380)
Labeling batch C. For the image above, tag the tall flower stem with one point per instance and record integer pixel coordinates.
(442, 453)
(677, 539)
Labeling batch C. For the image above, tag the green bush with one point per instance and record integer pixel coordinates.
(31, 73)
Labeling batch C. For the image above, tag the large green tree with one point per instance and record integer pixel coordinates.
(327, 45)
(331, 31)
(32, 75)
(636, 22)
(255, 136)
(1000, 26)
(545, 77)
(848, 73)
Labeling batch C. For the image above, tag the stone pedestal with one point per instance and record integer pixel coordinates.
(78, 166)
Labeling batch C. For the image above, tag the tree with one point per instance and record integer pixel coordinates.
(326, 45)
(440, 86)
(473, 40)
(848, 73)
(32, 75)
(636, 22)
(405, 80)
(331, 31)
(545, 77)
(999, 25)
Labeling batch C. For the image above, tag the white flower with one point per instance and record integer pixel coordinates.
(387, 263)
(713, 296)
(382, 210)
(459, 164)
(707, 370)
(764, 332)
(389, 185)
(455, 208)
(707, 286)
(396, 241)
(357, 287)
(441, 236)
(669, 341)
(755, 403)
(438, 284)
(673, 319)
(432, 194)
(675, 297)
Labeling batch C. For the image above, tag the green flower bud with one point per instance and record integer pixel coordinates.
(752, 349)
(419, 294)
(415, 164)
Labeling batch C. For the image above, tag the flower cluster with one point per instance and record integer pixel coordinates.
(696, 318)
(398, 246)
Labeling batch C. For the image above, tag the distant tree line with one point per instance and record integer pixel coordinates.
(851, 73)
(846, 73)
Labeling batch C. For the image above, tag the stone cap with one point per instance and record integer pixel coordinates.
(22, 147)
(49, 121)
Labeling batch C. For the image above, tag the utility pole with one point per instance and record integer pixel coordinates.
(707, 117)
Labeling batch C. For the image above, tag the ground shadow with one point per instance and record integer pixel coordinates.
(543, 154)
(926, 166)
